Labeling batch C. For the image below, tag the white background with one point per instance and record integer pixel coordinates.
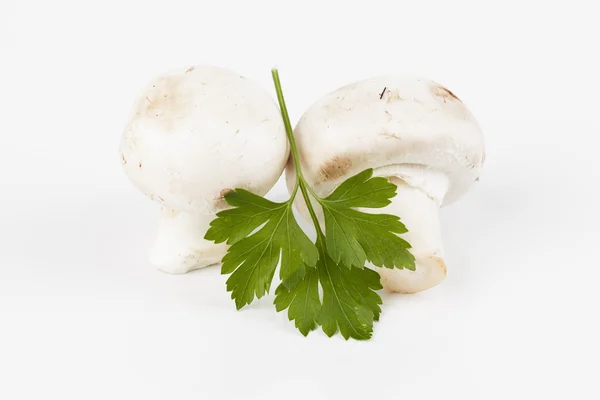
(82, 315)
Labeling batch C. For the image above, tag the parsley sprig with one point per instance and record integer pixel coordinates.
(323, 283)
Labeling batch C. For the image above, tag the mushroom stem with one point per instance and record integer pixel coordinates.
(180, 245)
(420, 213)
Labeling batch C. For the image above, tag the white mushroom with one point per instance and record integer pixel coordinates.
(194, 136)
(413, 131)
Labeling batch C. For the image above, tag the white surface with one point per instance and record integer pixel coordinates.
(82, 316)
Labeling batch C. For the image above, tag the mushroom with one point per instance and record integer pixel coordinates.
(193, 137)
(413, 131)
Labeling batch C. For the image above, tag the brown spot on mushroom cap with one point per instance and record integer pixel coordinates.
(443, 93)
(123, 159)
(225, 192)
(335, 168)
(156, 105)
(220, 201)
(190, 69)
(390, 135)
(167, 102)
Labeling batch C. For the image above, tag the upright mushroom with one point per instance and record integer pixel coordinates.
(195, 135)
(416, 133)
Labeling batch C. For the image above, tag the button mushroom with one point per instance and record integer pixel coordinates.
(416, 133)
(194, 136)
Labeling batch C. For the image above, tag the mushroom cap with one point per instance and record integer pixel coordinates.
(396, 125)
(197, 134)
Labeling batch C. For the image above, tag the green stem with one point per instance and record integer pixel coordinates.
(286, 121)
(294, 150)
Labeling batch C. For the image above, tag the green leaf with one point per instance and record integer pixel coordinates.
(362, 190)
(250, 212)
(252, 260)
(261, 233)
(350, 302)
(302, 301)
(354, 237)
(349, 305)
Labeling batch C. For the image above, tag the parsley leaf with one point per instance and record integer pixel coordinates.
(350, 303)
(302, 301)
(354, 237)
(323, 284)
(235, 224)
(362, 190)
(252, 260)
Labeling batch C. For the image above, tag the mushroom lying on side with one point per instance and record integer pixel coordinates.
(194, 136)
(413, 131)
